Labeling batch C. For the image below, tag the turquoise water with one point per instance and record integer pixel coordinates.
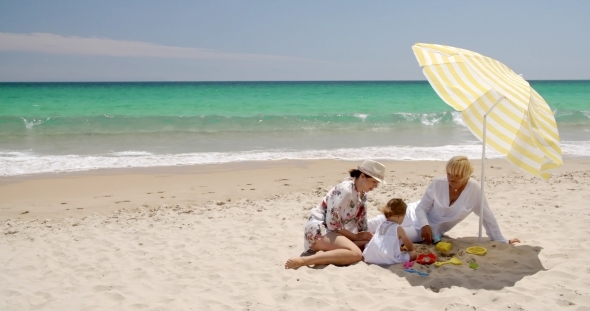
(76, 126)
(240, 99)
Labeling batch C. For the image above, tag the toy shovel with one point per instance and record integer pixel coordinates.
(454, 260)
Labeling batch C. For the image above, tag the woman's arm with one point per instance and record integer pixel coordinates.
(362, 227)
(361, 224)
(424, 206)
(361, 236)
(336, 202)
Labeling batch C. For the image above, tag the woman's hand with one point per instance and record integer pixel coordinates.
(427, 234)
(513, 241)
(363, 236)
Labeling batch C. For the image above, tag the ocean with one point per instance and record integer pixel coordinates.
(60, 127)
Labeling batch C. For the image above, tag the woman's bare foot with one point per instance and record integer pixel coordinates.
(294, 263)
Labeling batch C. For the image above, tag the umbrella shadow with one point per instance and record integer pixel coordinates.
(502, 266)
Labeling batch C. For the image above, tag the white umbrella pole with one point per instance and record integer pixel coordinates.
(483, 165)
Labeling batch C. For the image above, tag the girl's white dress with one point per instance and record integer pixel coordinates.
(384, 247)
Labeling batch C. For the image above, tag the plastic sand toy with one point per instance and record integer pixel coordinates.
(408, 264)
(420, 273)
(443, 247)
(476, 250)
(426, 259)
(436, 239)
(454, 260)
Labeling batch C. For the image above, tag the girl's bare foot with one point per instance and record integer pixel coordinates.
(294, 263)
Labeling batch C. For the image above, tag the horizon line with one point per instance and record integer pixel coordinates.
(251, 81)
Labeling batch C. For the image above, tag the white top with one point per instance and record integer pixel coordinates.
(384, 247)
(434, 209)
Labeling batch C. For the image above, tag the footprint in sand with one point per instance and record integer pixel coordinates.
(63, 203)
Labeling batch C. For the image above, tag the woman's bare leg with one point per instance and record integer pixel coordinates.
(337, 249)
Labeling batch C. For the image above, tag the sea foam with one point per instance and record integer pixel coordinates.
(21, 163)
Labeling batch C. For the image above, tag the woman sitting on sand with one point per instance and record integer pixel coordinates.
(338, 225)
(447, 201)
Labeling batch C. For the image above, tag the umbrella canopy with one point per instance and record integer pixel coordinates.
(496, 102)
(520, 124)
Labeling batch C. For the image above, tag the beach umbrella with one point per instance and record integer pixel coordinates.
(498, 106)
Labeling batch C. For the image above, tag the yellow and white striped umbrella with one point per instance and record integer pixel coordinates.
(520, 124)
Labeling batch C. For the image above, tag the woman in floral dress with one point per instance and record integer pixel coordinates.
(338, 225)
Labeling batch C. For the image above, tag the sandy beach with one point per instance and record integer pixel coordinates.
(216, 237)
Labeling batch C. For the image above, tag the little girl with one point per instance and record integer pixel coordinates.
(385, 247)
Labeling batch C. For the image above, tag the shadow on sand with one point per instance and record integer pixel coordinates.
(502, 266)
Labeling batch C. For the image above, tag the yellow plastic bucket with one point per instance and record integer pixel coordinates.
(443, 247)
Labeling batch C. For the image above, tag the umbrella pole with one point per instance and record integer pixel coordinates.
(483, 165)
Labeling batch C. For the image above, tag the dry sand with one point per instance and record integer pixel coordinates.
(216, 237)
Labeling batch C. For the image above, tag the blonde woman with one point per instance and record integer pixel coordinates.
(447, 201)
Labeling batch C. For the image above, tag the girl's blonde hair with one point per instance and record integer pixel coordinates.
(460, 166)
(395, 207)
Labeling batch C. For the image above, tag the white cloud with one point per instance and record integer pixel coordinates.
(56, 44)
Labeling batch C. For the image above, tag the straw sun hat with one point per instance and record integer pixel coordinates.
(373, 169)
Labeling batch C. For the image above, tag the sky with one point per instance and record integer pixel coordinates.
(283, 40)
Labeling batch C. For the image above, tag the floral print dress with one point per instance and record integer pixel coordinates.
(341, 208)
